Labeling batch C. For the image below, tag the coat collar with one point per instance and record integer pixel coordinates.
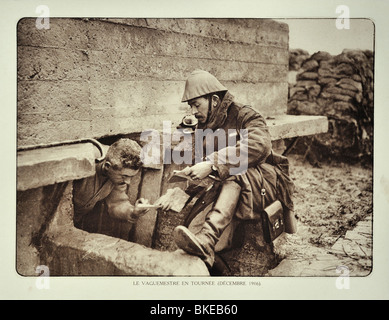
(218, 114)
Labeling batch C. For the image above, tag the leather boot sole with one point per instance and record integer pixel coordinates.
(188, 242)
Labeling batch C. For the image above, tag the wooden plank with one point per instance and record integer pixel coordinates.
(150, 189)
(167, 221)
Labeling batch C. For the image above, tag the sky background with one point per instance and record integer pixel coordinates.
(315, 35)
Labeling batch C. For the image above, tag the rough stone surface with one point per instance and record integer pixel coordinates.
(28, 221)
(255, 31)
(35, 209)
(99, 77)
(46, 235)
(40, 63)
(267, 98)
(124, 65)
(74, 252)
(46, 166)
(288, 126)
(64, 33)
(147, 41)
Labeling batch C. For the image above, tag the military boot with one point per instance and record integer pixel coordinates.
(202, 244)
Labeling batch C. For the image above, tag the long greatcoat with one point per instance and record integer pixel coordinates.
(260, 167)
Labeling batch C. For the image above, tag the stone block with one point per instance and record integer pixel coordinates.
(73, 252)
(28, 222)
(63, 33)
(140, 63)
(269, 98)
(54, 99)
(125, 65)
(35, 207)
(289, 126)
(46, 166)
(264, 32)
(40, 63)
(34, 130)
(52, 111)
(135, 98)
(145, 41)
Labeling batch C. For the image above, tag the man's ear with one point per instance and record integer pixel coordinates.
(107, 165)
(215, 100)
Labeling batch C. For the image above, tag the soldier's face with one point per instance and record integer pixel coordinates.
(121, 176)
(200, 108)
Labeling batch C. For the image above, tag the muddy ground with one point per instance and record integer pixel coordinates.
(332, 199)
(334, 207)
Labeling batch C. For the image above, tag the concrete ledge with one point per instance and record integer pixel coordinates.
(46, 166)
(290, 126)
(71, 252)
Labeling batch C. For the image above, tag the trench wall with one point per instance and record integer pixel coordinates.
(91, 78)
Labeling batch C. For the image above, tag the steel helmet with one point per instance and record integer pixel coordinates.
(200, 83)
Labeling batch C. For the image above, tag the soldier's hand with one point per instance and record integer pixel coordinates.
(164, 202)
(199, 170)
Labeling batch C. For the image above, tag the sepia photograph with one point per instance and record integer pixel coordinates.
(165, 153)
(194, 147)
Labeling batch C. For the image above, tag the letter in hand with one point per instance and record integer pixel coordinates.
(142, 206)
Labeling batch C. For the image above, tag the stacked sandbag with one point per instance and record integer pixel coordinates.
(341, 88)
(296, 58)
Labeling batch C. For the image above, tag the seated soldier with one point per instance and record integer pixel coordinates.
(109, 184)
(246, 186)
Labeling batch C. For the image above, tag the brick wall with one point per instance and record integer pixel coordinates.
(90, 78)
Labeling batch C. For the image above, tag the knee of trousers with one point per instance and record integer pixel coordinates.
(228, 197)
(224, 209)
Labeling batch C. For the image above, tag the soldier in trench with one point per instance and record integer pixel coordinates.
(109, 184)
(242, 189)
